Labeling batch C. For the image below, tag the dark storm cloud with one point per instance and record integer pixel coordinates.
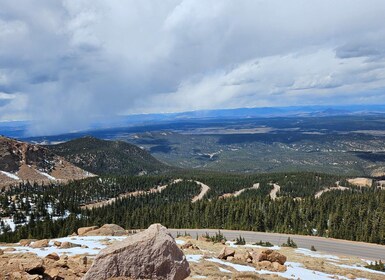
(70, 63)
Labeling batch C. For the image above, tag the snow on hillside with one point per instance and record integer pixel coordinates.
(10, 175)
(47, 175)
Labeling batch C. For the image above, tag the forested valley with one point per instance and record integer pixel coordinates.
(58, 210)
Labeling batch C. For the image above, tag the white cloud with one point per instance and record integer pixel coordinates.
(77, 61)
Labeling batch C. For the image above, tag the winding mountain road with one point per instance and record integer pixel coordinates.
(335, 246)
(204, 190)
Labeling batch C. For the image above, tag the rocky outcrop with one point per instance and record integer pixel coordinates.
(106, 230)
(268, 255)
(21, 161)
(262, 259)
(189, 245)
(53, 256)
(272, 266)
(40, 243)
(245, 257)
(151, 254)
(226, 253)
(26, 242)
(67, 245)
(84, 230)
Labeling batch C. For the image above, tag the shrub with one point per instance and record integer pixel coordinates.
(264, 244)
(312, 248)
(240, 241)
(217, 238)
(377, 265)
(290, 243)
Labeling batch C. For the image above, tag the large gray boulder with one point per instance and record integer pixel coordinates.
(151, 254)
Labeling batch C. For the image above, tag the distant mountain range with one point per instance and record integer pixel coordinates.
(19, 129)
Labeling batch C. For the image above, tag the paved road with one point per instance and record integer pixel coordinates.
(329, 245)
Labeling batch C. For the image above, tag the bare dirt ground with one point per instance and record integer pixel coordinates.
(158, 189)
(204, 190)
(237, 193)
(318, 194)
(274, 191)
(361, 182)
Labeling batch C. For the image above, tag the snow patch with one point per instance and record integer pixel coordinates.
(94, 244)
(46, 175)
(224, 270)
(9, 222)
(313, 254)
(294, 271)
(275, 247)
(233, 245)
(180, 242)
(194, 258)
(297, 271)
(237, 267)
(10, 175)
(359, 268)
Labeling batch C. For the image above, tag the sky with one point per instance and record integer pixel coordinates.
(67, 64)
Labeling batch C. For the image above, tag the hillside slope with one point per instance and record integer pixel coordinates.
(108, 157)
(20, 161)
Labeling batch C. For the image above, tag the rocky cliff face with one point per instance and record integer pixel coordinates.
(20, 161)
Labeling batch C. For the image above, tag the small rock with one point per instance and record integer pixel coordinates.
(62, 263)
(264, 265)
(10, 249)
(31, 266)
(53, 273)
(107, 230)
(189, 245)
(84, 230)
(40, 243)
(57, 243)
(53, 256)
(67, 245)
(350, 276)
(258, 257)
(1, 252)
(225, 253)
(17, 275)
(276, 257)
(278, 267)
(268, 255)
(26, 242)
(83, 260)
(34, 277)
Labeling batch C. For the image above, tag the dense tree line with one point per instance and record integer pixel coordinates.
(358, 214)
